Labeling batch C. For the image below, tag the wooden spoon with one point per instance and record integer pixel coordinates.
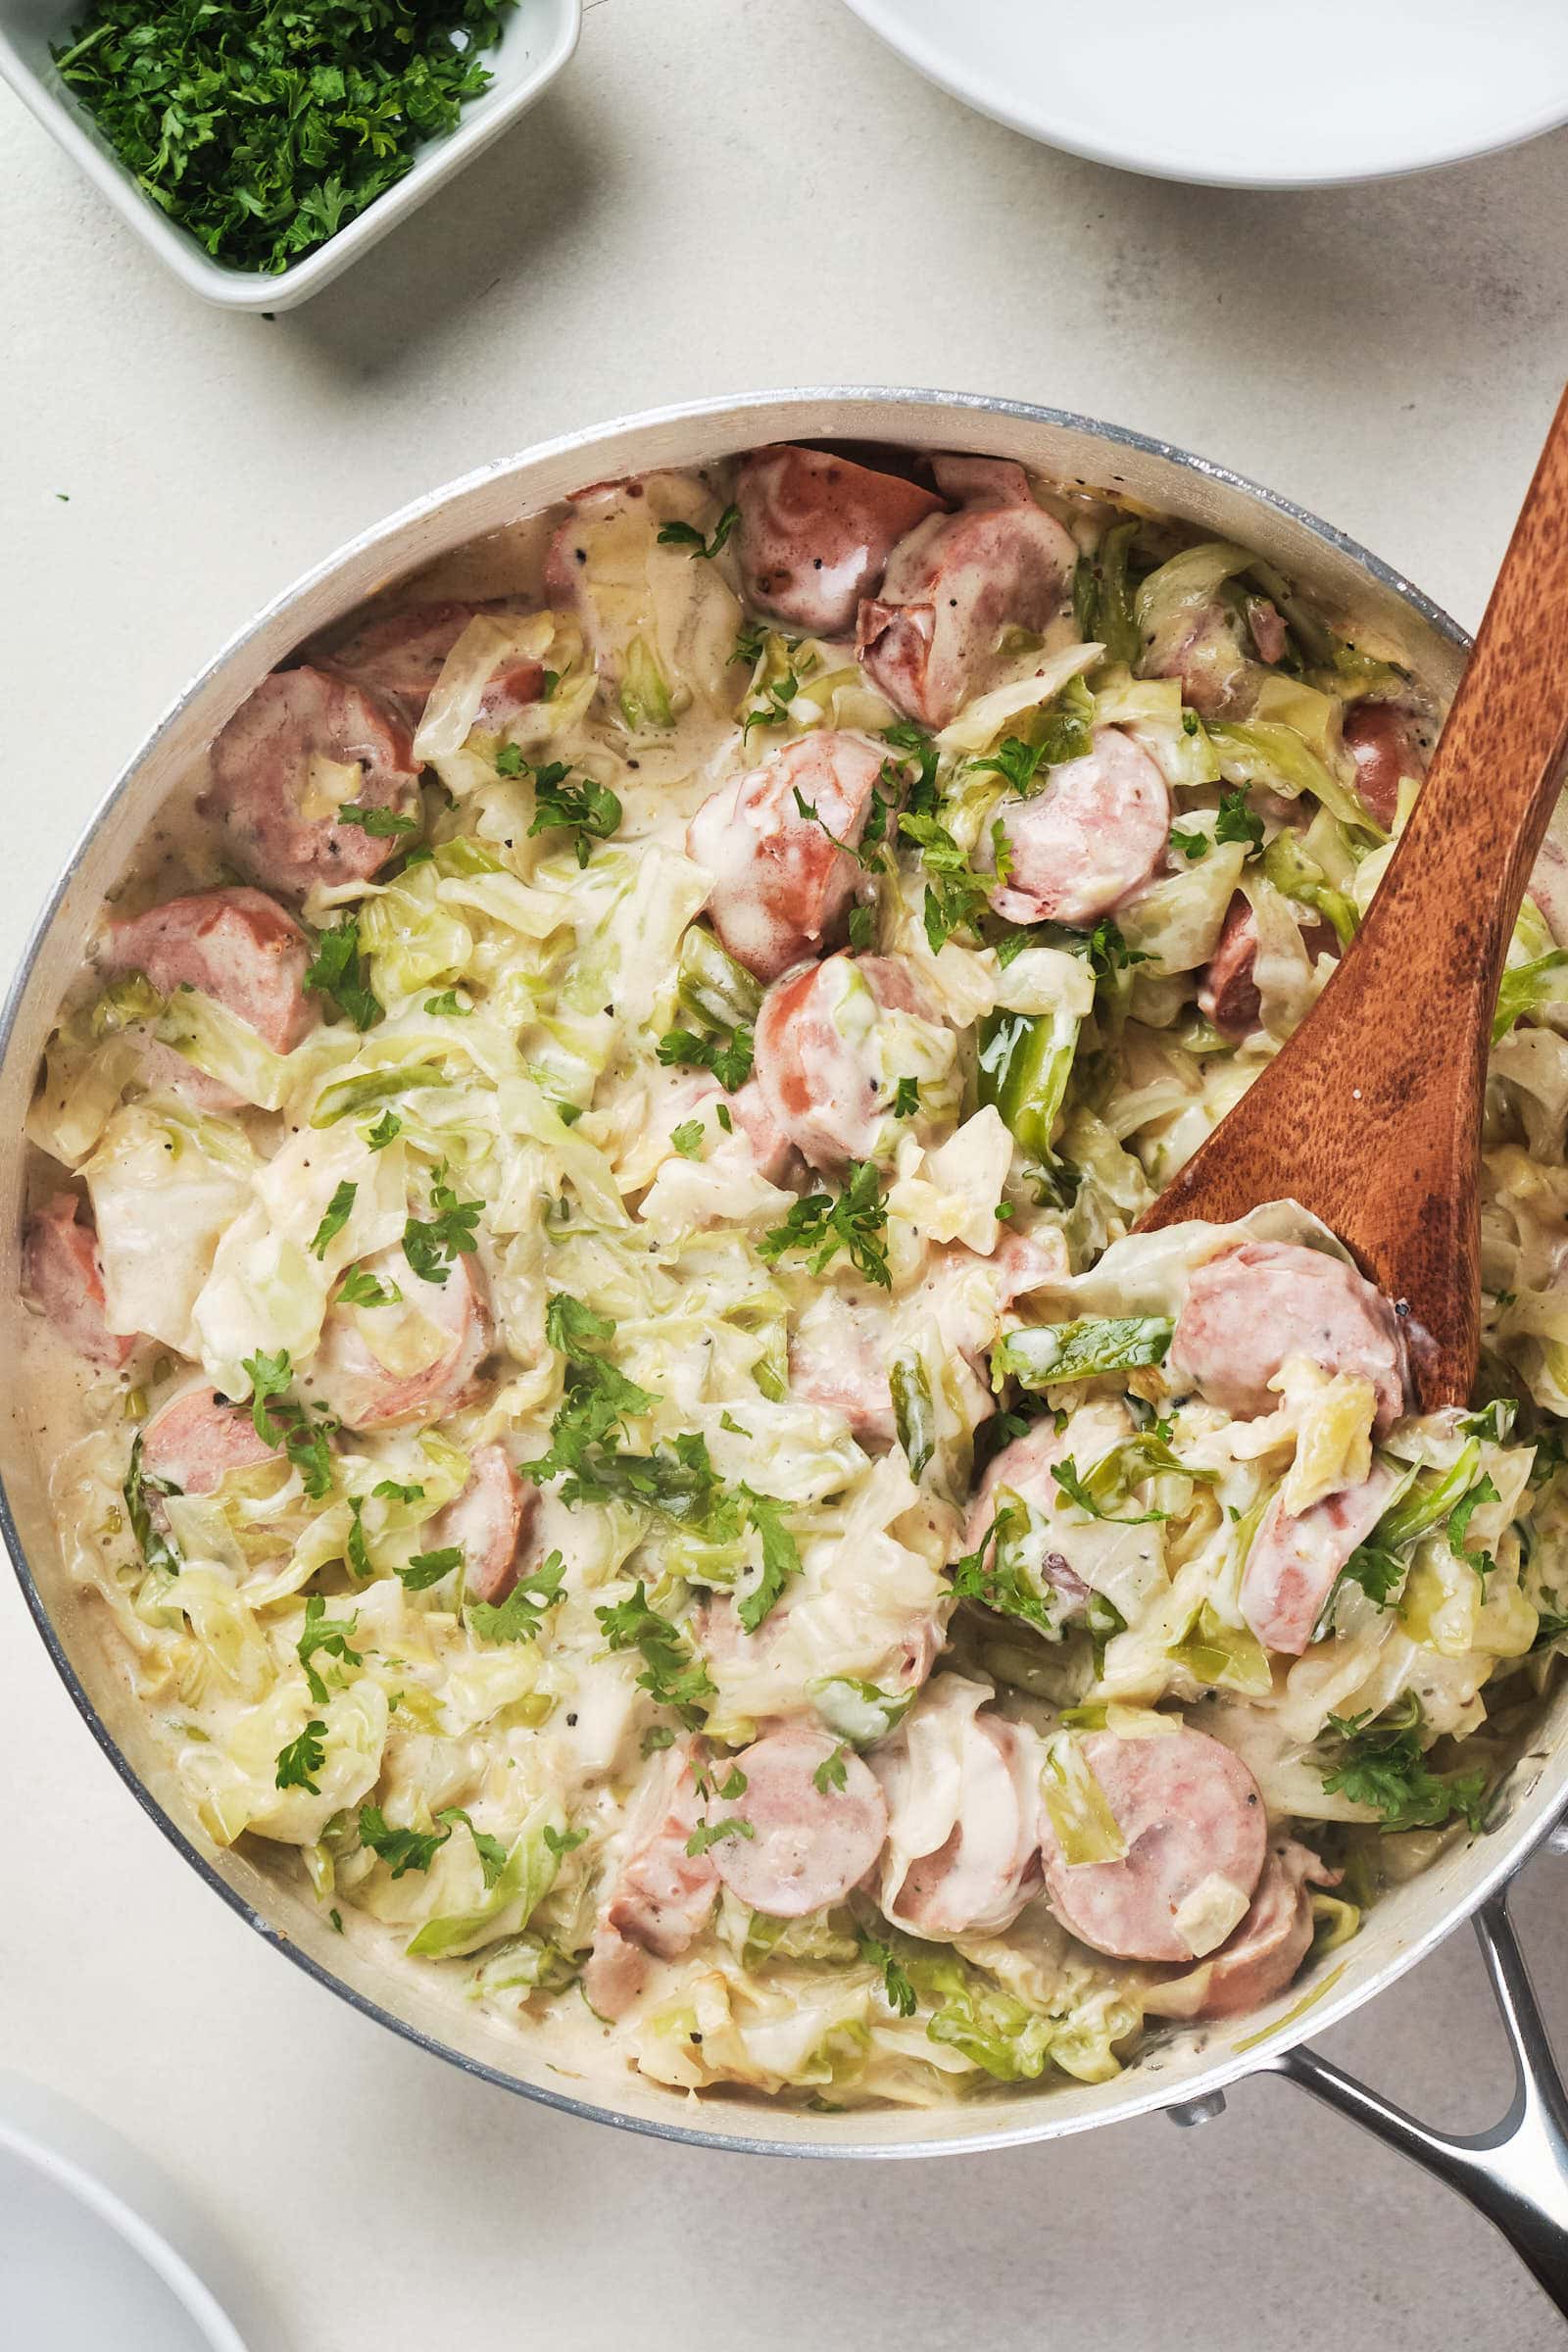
(1370, 1117)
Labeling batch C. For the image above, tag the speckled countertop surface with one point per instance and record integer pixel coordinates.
(718, 195)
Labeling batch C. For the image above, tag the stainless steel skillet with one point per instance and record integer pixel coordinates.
(1518, 2172)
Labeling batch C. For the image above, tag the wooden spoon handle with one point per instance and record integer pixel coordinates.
(1370, 1117)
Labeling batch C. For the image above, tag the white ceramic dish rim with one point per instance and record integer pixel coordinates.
(483, 120)
(1178, 2075)
(885, 17)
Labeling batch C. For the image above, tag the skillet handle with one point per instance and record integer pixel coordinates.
(1516, 2173)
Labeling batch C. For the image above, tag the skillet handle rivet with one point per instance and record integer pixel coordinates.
(1197, 2111)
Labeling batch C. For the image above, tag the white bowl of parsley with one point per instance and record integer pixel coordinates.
(257, 147)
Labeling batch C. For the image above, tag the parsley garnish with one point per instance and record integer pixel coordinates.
(1192, 846)
(305, 1442)
(919, 749)
(710, 1833)
(1236, 821)
(563, 1842)
(328, 1634)
(730, 1062)
(519, 1616)
(673, 1675)
(339, 1209)
(569, 1325)
(588, 810)
(303, 1758)
(683, 534)
(361, 1288)
(393, 1490)
(1078, 1491)
(355, 1550)
(956, 895)
(155, 1549)
(1379, 1573)
(687, 1138)
(432, 1244)
(751, 642)
(832, 1772)
(824, 1224)
(781, 1559)
(896, 1984)
(383, 825)
(388, 1127)
(446, 1006)
(337, 970)
(999, 1582)
(907, 1101)
(404, 1851)
(428, 1568)
(262, 131)
(1382, 1767)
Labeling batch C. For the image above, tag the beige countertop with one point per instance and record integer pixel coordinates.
(718, 195)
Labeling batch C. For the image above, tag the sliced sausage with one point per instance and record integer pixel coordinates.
(62, 1277)
(1195, 1832)
(1384, 739)
(487, 1523)
(1295, 1560)
(839, 1358)
(956, 584)
(399, 656)
(277, 779)
(809, 1845)
(1228, 996)
(1264, 1953)
(1251, 1307)
(660, 1895)
(815, 532)
(1267, 628)
(770, 1148)
(1024, 1469)
(820, 1079)
(963, 1793)
(194, 1441)
(1094, 836)
(781, 887)
(363, 1370)
(236, 946)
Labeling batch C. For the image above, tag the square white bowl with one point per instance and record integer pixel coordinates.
(537, 38)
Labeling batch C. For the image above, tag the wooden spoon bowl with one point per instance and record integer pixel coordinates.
(1370, 1115)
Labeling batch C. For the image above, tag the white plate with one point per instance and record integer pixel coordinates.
(1249, 93)
(537, 38)
(98, 2249)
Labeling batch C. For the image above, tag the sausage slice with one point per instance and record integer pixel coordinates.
(1294, 1561)
(955, 585)
(196, 1438)
(782, 887)
(62, 1277)
(444, 1326)
(278, 777)
(809, 1844)
(816, 1066)
(399, 656)
(487, 1523)
(660, 1895)
(1196, 1829)
(239, 947)
(1264, 1953)
(1384, 739)
(1094, 836)
(815, 532)
(1251, 1307)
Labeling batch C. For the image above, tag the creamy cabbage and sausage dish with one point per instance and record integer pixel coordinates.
(581, 1232)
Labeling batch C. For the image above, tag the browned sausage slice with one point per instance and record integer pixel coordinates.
(838, 1358)
(487, 1523)
(809, 1844)
(1197, 1833)
(236, 946)
(814, 1060)
(399, 656)
(195, 1439)
(371, 1391)
(282, 767)
(815, 532)
(1384, 739)
(1251, 1307)
(985, 1869)
(63, 1276)
(955, 585)
(1094, 836)
(1295, 1560)
(1228, 994)
(659, 1897)
(1265, 1952)
(781, 886)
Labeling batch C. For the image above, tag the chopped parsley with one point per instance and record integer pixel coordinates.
(263, 129)
(433, 1245)
(1237, 821)
(683, 534)
(446, 1006)
(832, 1773)
(687, 1138)
(906, 1099)
(361, 1288)
(299, 1763)
(711, 1833)
(155, 1549)
(672, 1673)
(822, 1224)
(896, 1988)
(781, 1559)
(730, 1061)
(428, 1568)
(589, 811)
(1382, 1767)
(339, 1209)
(289, 1427)
(563, 1842)
(383, 825)
(956, 895)
(327, 1634)
(337, 970)
(519, 1616)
